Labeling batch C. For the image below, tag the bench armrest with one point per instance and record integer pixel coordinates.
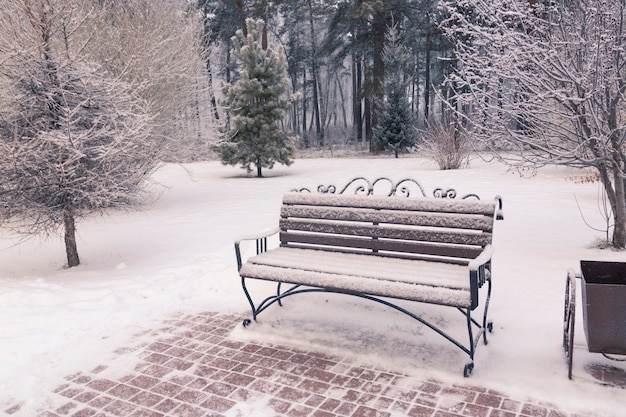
(482, 259)
(477, 274)
(260, 235)
(261, 243)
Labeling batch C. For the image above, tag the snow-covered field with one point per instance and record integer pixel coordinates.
(138, 268)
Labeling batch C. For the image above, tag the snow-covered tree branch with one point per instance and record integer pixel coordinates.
(156, 47)
(72, 141)
(543, 83)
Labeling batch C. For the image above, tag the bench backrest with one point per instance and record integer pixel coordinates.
(419, 228)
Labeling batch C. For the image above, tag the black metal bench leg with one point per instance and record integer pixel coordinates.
(280, 302)
(469, 367)
(487, 326)
(246, 322)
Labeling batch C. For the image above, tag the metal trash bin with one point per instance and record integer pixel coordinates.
(604, 306)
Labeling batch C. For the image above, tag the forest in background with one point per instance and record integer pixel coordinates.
(335, 61)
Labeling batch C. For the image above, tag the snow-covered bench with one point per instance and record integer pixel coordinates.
(430, 250)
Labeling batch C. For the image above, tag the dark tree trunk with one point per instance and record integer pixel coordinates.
(305, 132)
(359, 100)
(242, 15)
(264, 36)
(70, 238)
(357, 110)
(427, 80)
(316, 111)
(369, 133)
(367, 99)
(211, 91)
(315, 80)
(619, 215)
(259, 172)
(415, 93)
(619, 180)
(342, 103)
(379, 29)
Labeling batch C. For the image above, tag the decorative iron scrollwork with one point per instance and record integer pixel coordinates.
(406, 187)
(440, 193)
(326, 190)
(381, 186)
(451, 193)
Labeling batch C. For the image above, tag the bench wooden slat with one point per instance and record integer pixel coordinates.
(457, 220)
(461, 237)
(293, 239)
(366, 265)
(415, 292)
(486, 208)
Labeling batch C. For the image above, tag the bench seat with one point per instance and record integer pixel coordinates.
(408, 279)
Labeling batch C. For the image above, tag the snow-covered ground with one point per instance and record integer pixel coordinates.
(138, 268)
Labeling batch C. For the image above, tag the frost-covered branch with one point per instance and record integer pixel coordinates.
(544, 84)
(73, 141)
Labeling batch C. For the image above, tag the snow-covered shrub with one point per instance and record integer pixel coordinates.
(447, 145)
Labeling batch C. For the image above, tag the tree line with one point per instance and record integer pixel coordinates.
(336, 61)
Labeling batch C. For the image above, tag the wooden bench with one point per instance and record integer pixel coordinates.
(381, 248)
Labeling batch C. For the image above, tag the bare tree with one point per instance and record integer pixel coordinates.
(544, 82)
(155, 46)
(72, 141)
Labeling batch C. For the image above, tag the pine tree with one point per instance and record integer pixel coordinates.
(256, 103)
(396, 127)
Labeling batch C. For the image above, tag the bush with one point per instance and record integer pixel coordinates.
(447, 145)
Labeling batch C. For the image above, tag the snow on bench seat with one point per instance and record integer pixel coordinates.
(423, 281)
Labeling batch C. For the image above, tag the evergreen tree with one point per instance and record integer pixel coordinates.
(396, 127)
(256, 102)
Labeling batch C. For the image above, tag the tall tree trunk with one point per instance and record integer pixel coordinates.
(70, 238)
(379, 29)
(369, 133)
(211, 91)
(427, 79)
(228, 80)
(295, 125)
(414, 86)
(356, 97)
(342, 103)
(618, 155)
(616, 194)
(305, 132)
(241, 11)
(295, 122)
(264, 35)
(367, 111)
(315, 80)
(619, 214)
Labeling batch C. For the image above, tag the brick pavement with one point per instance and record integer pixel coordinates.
(190, 368)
